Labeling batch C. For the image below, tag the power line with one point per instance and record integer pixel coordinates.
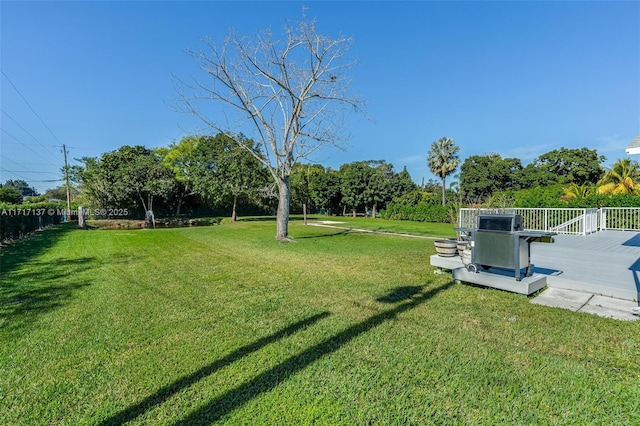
(30, 144)
(15, 172)
(21, 177)
(23, 164)
(29, 105)
(26, 171)
(14, 162)
(26, 146)
(27, 132)
(30, 181)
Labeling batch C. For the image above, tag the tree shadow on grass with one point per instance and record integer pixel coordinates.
(168, 391)
(29, 287)
(333, 234)
(400, 293)
(292, 218)
(257, 219)
(266, 381)
(21, 252)
(38, 287)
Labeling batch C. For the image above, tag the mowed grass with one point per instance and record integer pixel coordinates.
(224, 325)
(429, 229)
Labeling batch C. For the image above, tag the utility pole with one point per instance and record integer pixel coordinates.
(66, 177)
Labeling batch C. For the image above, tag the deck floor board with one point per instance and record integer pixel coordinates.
(606, 262)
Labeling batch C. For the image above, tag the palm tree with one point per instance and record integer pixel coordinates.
(443, 160)
(623, 178)
(577, 192)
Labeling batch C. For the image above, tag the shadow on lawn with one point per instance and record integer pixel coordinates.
(23, 251)
(400, 293)
(292, 218)
(38, 287)
(333, 234)
(168, 391)
(269, 379)
(413, 296)
(256, 219)
(30, 287)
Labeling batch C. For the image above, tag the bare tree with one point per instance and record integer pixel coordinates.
(290, 94)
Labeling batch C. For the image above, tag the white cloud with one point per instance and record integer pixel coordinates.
(411, 159)
(527, 153)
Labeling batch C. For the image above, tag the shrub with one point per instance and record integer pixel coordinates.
(421, 212)
(600, 200)
(19, 221)
(551, 197)
(539, 197)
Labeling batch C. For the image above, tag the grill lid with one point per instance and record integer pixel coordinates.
(500, 222)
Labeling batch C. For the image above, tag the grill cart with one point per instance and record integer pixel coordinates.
(499, 240)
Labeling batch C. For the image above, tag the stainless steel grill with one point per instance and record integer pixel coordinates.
(499, 240)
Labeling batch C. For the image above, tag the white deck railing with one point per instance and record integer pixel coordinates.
(564, 221)
(620, 218)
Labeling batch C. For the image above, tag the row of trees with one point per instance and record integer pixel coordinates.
(210, 170)
(483, 175)
(14, 191)
(361, 186)
(580, 171)
(217, 173)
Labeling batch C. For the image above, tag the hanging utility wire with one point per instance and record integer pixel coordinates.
(48, 160)
(17, 173)
(26, 171)
(17, 164)
(30, 107)
(27, 132)
(20, 176)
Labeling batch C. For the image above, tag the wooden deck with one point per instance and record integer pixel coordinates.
(606, 263)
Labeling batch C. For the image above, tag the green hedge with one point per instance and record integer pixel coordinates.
(425, 208)
(421, 212)
(550, 197)
(18, 221)
(597, 201)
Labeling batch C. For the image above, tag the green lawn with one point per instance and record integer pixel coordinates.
(223, 324)
(381, 225)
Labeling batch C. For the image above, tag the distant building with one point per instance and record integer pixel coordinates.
(634, 147)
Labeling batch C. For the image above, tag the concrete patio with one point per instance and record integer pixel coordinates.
(579, 301)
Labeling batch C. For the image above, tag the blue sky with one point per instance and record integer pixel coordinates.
(516, 78)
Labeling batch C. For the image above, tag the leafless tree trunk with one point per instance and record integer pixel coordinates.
(234, 215)
(282, 217)
(290, 95)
